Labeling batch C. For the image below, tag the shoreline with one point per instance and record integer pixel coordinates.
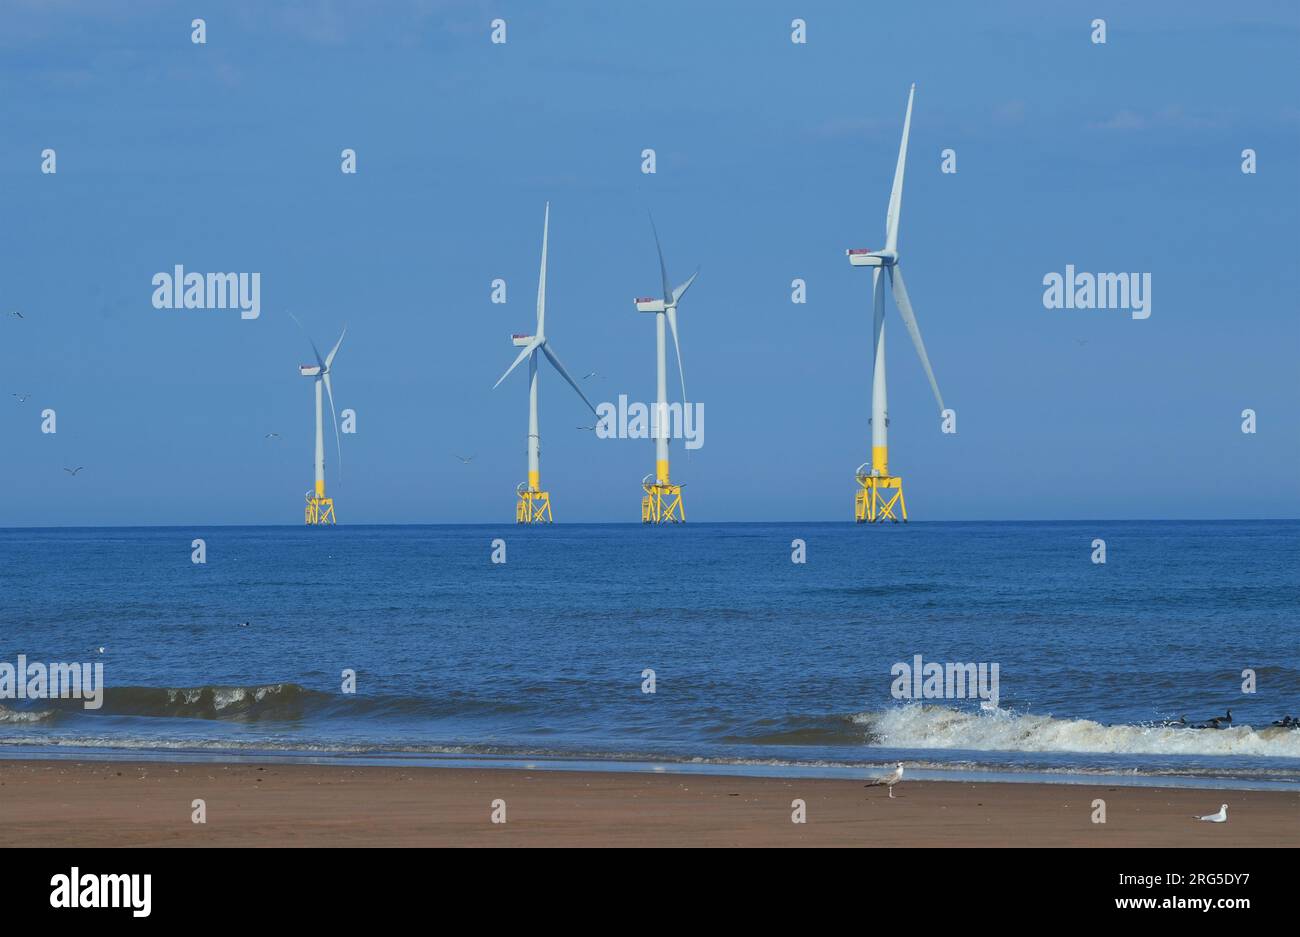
(89, 803)
(917, 770)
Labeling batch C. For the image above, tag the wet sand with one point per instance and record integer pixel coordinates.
(63, 803)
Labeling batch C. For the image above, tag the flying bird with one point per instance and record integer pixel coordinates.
(272, 435)
(17, 315)
(22, 398)
(465, 460)
(1220, 817)
(75, 470)
(591, 374)
(888, 780)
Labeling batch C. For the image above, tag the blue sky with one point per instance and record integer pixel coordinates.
(772, 159)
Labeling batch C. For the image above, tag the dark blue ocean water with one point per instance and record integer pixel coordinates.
(756, 659)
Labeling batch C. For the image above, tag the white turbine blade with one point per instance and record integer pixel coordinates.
(550, 356)
(329, 359)
(329, 389)
(896, 194)
(663, 269)
(681, 290)
(909, 320)
(541, 277)
(672, 325)
(523, 353)
(314, 349)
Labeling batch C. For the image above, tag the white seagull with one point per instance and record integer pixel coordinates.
(888, 780)
(1220, 817)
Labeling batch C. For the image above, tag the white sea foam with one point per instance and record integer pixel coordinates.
(920, 726)
(13, 716)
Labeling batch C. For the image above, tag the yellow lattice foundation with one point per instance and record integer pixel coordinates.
(533, 507)
(878, 498)
(319, 510)
(662, 504)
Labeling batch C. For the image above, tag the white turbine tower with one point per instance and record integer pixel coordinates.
(320, 509)
(662, 502)
(873, 502)
(534, 504)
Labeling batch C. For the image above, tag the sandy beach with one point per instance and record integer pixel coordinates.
(62, 803)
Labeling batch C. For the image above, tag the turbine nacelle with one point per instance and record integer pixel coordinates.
(309, 370)
(519, 340)
(649, 304)
(862, 257)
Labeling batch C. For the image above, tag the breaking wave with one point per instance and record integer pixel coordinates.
(271, 702)
(21, 716)
(275, 701)
(938, 727)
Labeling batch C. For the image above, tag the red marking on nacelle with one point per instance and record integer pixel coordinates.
(645, 299)
(861, 250)
(520, 335)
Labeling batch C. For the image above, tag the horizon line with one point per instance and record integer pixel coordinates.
(1060, 520)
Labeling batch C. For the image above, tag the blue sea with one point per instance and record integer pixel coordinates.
(759, 663)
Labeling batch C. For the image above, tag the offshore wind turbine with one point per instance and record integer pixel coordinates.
(662, 503)
(879, 492)
(534, 504)
(320, 509)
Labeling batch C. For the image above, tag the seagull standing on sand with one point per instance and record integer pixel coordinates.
(1220, 817)
(888, 780)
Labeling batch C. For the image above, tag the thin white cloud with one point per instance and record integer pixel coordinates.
(1167, 118)
(850, 127)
